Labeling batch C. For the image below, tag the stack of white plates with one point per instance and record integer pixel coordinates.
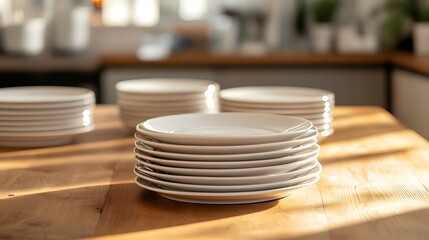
(44, 116)
(226, 158)
(147, 98)
(315, 105)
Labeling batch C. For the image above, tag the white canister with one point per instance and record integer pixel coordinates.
(25, 38)
(321, 37)
(71, 29)
(224, 35)
(348, 40)
(421, 39)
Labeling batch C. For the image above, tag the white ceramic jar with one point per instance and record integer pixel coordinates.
(71, 28)
(321, 37)
(421, 39)
(25, 38)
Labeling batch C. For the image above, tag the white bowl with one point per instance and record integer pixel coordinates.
(175, 103)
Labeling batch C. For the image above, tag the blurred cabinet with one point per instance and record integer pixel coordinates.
(410, 92)
(351, 85)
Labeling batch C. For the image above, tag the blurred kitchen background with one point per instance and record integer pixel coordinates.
(368, 52)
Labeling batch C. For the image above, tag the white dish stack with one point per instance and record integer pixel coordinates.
(315, 105)
(44, 116)
(142, 99)
(226, 158)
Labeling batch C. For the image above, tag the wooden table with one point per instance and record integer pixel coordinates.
(374, 186)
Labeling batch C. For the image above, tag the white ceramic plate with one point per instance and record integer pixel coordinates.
(166, 86)
(39, 112)
(231, 172)
(50, 139)
(173, 103)
(285, 106)
(302, 156)
(276, 111)
(224, 128)
(52, 117)
(159, 112)
(162, 109)
(10, 135)
(246, 180)
(313, 175)
(276, 94)
(232, 149)
(326, 115)
(197, 97)
(44, 94)
(49, 105)
(223, 198)
(24, 123)
(148, 114)
(226, 157)
(51, 127)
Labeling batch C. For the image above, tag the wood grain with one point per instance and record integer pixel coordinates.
(374, 186)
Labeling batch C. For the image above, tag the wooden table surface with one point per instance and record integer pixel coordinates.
(374, 186)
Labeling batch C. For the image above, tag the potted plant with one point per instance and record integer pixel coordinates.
(323, 12)
(421, 28)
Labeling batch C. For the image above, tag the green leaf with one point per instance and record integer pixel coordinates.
(324, 10)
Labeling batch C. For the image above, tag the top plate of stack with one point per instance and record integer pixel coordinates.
(313, 104)
(39, 116)
(142, 99)
(223, 129)
(226, 158)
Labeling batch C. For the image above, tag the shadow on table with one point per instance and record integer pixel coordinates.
(81, 212)
(393, 217)
(144, 210)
